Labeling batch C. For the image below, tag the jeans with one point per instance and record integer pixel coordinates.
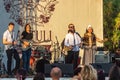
(26, 59)
(72, 58)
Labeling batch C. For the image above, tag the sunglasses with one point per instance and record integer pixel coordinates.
(71, 26)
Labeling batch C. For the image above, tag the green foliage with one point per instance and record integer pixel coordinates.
(111, 23)
(116, 31)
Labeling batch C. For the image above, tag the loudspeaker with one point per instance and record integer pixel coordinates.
(67, 69)
(103, 66)
(40, 64)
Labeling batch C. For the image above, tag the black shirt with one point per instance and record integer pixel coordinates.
(27, 36)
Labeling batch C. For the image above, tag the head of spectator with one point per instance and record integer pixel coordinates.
(39, 76)
(77, 74)
(114, 73)
(116, 58)
(21, 74)
(56, 73)
(118, 52)
(88, 73)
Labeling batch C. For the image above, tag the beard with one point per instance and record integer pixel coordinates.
(71, 31)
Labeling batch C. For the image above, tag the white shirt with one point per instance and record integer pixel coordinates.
(9, 36)
(74, 40)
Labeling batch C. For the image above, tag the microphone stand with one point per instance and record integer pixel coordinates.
(57, 54)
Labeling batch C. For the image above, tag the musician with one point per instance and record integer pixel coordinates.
(9, 43)
(89, 43)
(72, 41)
(26, 38)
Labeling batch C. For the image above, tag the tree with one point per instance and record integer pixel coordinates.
(116, 32)
(111, 10)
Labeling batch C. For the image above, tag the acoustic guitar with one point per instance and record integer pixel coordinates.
(26, 44)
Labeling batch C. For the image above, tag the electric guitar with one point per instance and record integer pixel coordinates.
(26, 44)
(67, 48)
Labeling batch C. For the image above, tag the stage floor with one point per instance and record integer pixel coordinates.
(32, 78)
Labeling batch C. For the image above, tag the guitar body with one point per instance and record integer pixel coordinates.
(26, 44)
(67, 48)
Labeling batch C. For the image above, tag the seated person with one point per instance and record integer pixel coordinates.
(21, 74)
(56, 73)
(39, 76)
(77, 74)
(114, 73)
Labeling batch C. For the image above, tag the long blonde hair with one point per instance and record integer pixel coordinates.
(88, 73)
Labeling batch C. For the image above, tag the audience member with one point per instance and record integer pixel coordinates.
(39, 76)
(114, 73)
(56, 73)
(88, 73)
(21, 74)
(101, 74)
(77, 74)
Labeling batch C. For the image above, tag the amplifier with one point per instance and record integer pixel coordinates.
(102, 57)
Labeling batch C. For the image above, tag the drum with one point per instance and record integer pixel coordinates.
(35, 54)
(41, 51)
(32, 62)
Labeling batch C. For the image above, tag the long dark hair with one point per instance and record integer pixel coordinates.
(26, 26)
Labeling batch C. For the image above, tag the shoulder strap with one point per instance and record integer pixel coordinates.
(78, 34)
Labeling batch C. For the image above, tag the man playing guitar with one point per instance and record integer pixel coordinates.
(9, 42)
(72, 44)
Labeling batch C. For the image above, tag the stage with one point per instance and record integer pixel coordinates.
(63, 78)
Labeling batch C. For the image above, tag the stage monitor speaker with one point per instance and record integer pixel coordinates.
(40, 65)
(102, 57)
(103, 66)
(67, 69)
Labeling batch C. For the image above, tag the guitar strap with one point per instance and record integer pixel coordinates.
(74, 39)
(12, 37)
